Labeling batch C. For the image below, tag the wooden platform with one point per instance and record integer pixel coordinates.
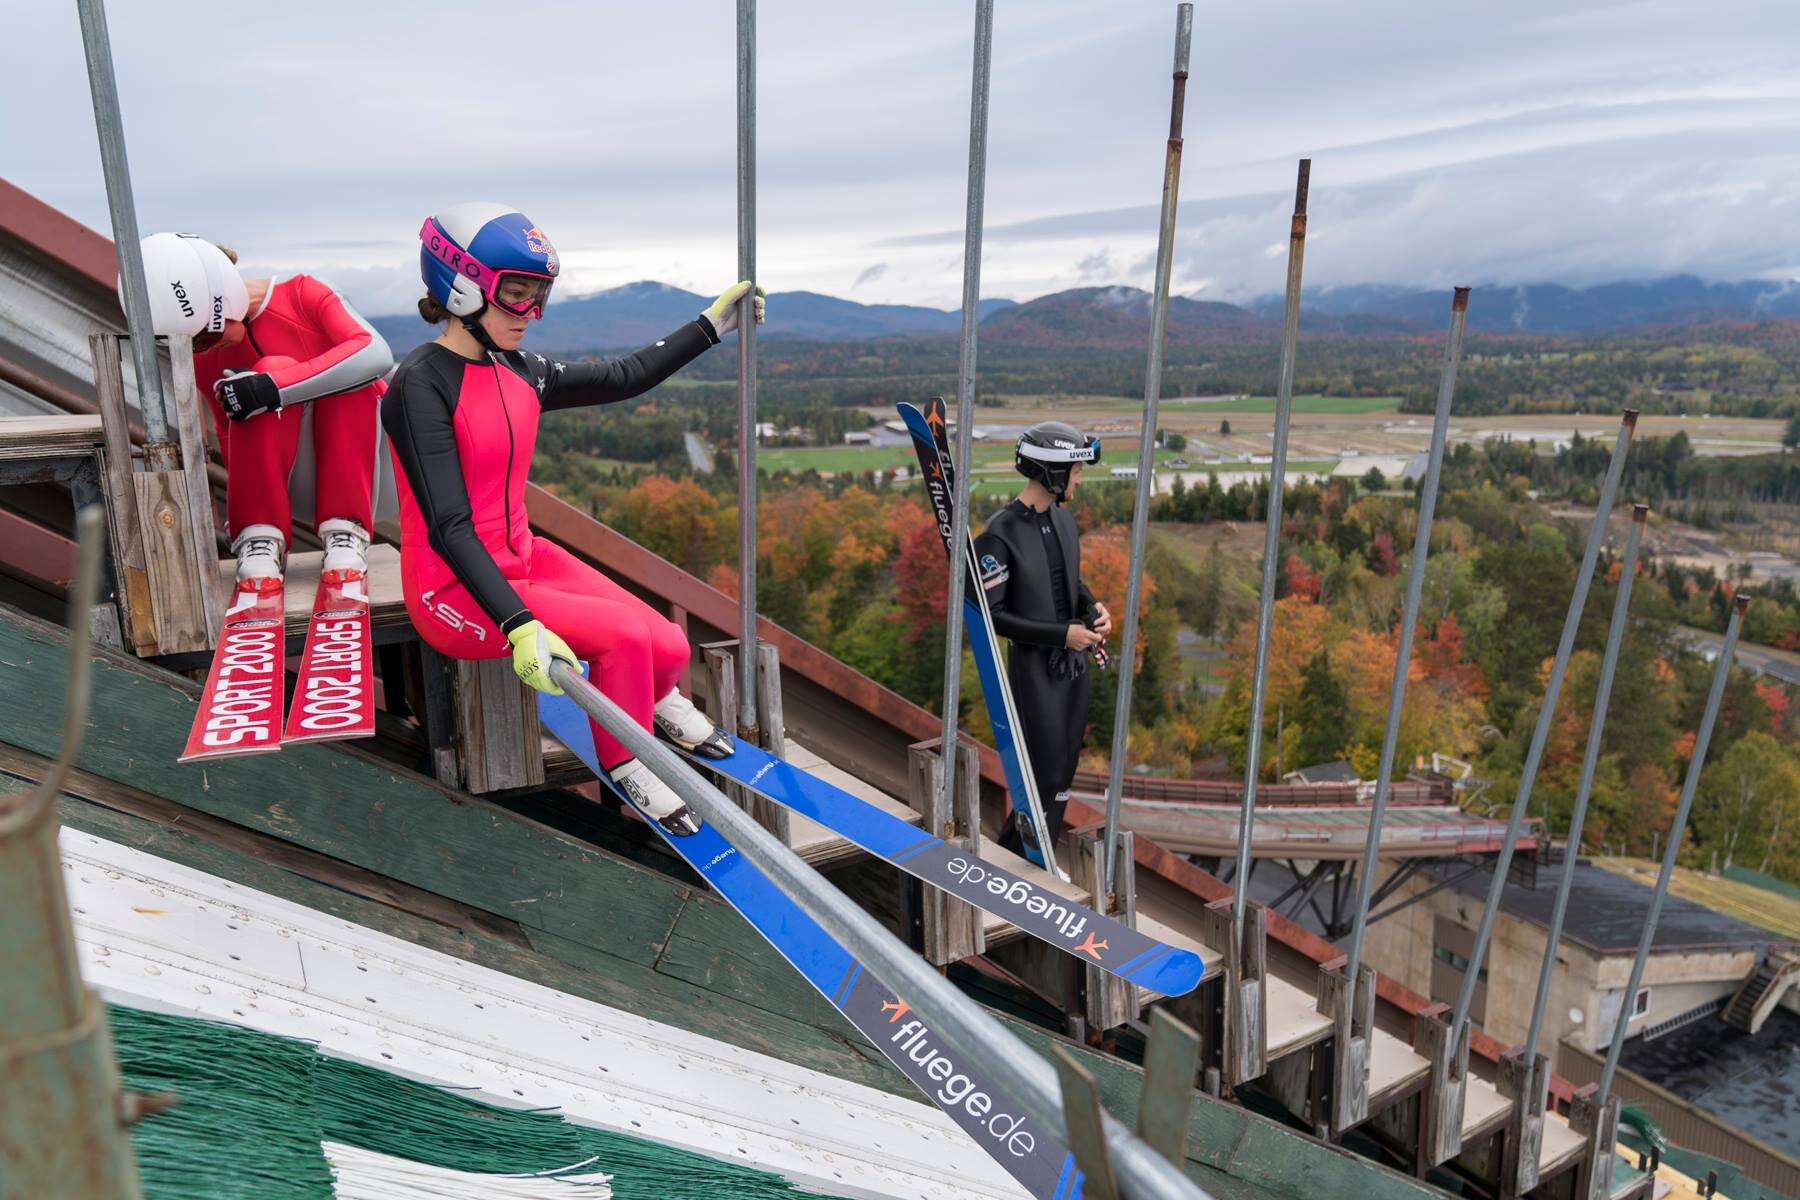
(1393, 1067)
(387, 606)
(1562, 1145)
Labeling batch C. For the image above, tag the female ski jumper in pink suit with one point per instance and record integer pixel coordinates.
(461, 414)
(263, 348)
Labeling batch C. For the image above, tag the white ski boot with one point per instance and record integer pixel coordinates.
(346, 549)
(656, 798)
(678, 721)
(261, 554)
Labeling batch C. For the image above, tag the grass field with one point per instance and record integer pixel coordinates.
(1302, 404)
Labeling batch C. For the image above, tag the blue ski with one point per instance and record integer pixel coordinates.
(1021, 784)
(1066, 924)
(1029, 1153)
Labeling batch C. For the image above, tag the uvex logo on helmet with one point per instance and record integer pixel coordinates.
(181, 298)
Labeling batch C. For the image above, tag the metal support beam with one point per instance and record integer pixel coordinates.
(1696, 764)
(1140, 513)
(110, 127)
(965, 389)
(1409, 619)
(746, 181)
(973, 1033)
(1546, 713)
(1590, 759)
(1265, 612)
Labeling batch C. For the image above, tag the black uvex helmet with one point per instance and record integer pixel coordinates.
(1048, 450)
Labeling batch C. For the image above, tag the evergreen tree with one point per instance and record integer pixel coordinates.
(1322, 714)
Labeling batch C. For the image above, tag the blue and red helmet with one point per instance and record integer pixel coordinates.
(469, 252)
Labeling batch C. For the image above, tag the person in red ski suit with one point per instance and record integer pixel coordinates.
(265, 348)
(461, 415)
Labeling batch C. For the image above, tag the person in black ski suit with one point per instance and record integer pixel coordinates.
(1030, 565)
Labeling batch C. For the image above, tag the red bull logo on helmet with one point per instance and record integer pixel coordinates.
(537, 243)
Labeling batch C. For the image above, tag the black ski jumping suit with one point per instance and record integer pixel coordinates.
(1030, 565)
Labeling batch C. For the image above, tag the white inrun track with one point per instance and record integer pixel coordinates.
(157, 935)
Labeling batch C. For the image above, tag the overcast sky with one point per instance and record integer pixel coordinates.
(1574, 141)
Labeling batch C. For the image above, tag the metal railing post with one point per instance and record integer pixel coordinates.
(1032, 1082)
(1590, 759)
(1696, 764)
(1409, 616)
(965, 387)
(1140, 513)
(1265, 611)
(746, 181)
(1540, 734)
(66, 1138)
(159, 439)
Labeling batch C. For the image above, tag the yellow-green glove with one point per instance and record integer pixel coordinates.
(534, 648)
(723, 315)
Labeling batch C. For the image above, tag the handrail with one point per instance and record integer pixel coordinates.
(1142, 1173)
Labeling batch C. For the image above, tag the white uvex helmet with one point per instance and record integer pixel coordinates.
(193, 287)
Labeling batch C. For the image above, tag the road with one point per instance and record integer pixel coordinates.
(1778, 664)
(699, 456)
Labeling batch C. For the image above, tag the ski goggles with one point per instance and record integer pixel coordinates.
(521, 293)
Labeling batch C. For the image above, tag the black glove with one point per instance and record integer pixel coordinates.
(243, 394)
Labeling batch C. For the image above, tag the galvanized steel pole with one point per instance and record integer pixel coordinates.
(1265, 611)
(1695, 765)
(965, 389)
(159, 438)
(1590, 759)
(971, 1031)
(1140, 513)
(62, 1130)
(1409, 617)
(746, 181)
(1541, 733)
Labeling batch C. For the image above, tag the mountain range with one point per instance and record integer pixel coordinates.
(1119, 317)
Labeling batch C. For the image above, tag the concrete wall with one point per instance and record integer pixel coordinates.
(1583, 983)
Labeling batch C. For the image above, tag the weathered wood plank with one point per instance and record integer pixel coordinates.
(341, 801)
(498, 735)
(134, 579)
(157, 817)
(203, 530)
(36, 436)
(714, 948)
(176, 601)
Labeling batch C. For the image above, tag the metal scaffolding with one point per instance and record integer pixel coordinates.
(1409, 619)
(746, 183)
(965, 388)
(1126, 656)
(1265, 611)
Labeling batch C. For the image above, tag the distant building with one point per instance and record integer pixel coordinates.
(1124, 472)
(1331, 772)
(765, 429)
(1698, 962)
(859, 437)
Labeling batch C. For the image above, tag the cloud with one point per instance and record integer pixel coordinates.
(1566, 140)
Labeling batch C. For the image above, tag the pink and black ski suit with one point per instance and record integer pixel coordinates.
(462, 433)
(333, 367)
